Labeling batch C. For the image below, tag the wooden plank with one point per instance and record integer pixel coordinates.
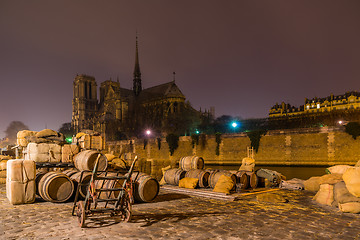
(207, 193)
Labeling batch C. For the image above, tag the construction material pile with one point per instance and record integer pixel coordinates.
(3, 166)
(89, 139)
(49, 146)
(25, 137)
(191, 174)
(58, 184)
(339, 188)
(20, 181)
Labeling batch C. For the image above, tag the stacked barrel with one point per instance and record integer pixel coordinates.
(54, 186)
(189, 167)
(245, 180)
(193, 167)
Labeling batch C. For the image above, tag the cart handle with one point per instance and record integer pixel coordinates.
(133, 164)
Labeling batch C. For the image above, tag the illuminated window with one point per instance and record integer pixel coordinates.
(318, 105)
(308, 107)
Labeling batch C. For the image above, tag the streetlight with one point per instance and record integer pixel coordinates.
(148, 132)
(234, 125)
(343, 122)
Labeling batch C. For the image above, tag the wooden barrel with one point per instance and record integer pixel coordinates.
(146, 187)
(215, 175)
(55, 187)
(252, 178)
(242, 179)
(191, 162)
(84, 182)
(173, 176)
(260, 181)
(85, 160)
(200, 174)
(70, 172)
(38, 177)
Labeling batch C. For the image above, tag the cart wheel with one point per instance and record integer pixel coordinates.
(126, 209)
(80, 213)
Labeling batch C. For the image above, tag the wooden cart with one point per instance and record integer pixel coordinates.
(107, 192)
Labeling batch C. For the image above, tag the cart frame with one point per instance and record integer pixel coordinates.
(119, 206)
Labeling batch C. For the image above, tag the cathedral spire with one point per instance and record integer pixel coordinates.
(137, 74)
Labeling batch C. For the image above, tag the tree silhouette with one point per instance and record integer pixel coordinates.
(67, 130)
(13, 128)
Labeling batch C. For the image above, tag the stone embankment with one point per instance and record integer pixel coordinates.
(301, 147)
(178, 216)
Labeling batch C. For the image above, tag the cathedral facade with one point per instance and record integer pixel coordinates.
(120, 110)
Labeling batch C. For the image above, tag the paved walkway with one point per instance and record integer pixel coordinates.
(177, 216)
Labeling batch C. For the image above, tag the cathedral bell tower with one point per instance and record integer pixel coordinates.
(137, 74)
(84, 103)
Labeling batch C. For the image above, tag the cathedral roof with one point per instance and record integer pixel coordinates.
(126, 93)
(166, 90)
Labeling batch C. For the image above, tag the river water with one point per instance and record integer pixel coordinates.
(288, 171)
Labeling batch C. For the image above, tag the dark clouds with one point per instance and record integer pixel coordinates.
(239, 56)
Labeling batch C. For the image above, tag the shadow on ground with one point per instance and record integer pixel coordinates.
(145, 219)
(169, 197)
(152, 218)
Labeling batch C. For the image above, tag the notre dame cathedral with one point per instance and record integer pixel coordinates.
(121, 112)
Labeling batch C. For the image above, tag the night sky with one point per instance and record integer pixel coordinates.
(239, 56)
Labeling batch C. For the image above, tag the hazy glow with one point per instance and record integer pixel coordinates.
(242, 57)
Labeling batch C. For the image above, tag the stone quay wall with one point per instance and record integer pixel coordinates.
(301, 147)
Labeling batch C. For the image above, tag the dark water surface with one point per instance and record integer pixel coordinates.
(287, 171)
